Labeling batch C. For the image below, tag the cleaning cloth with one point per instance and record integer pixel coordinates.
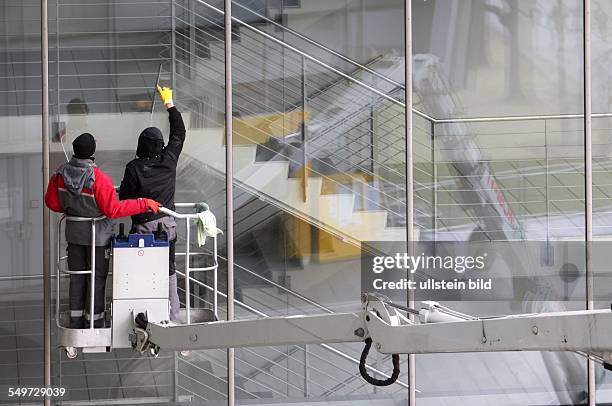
(207, 225)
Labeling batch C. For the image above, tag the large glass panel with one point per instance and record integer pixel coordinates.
(365, 31)
(319, 169)
(602, 105)
(319, 160)
(103, 66)
(110, 57)
(502, 58)
(21, 310)
(513, 188)
(200, 64)
(515, 191)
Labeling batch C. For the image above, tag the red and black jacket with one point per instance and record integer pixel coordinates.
(80, 188)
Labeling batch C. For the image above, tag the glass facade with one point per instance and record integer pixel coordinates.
(319, 167)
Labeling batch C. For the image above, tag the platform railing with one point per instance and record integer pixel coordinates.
(187, 254)
(92, 271)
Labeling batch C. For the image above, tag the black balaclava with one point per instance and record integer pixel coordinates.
(150, 143)
(84, 146)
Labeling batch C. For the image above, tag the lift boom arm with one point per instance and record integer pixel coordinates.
(393, 333)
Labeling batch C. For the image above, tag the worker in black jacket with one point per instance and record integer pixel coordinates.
(153, 175)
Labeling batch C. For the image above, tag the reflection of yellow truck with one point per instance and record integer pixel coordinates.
(258, 129)
(308, 241)
(318, 244)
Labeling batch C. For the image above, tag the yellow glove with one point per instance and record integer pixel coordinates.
(165, 93)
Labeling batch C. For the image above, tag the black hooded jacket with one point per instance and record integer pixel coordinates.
(153, 173)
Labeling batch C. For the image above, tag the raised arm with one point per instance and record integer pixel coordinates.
(177, 126)
(177, 133)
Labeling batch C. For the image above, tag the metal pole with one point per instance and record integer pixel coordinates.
(57, 62)
(92, 280)
(44, 49)
(546, 183)
(409, 181)
(187, 270)
(372, 129)
(304, 129)
(175, 377)
(306, 370)
(434, 183)
(547, 193)
(494, 119)
(215, 279)
(588, 181)
(190, 57)
(281, 12)
(229, 192)
(173, 46)
(58, 275)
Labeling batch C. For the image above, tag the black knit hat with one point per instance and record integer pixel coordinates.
(84, 146)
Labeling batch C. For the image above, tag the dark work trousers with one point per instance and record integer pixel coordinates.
(79, 259)
(175, 304)
(172, 262)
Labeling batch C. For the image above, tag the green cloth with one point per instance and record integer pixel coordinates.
(206, 226)
(200, 207)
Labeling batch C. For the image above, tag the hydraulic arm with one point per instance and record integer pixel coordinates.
(438, 330)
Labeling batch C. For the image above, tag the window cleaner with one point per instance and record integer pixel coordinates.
(140, 287)
(152, 174)
(81, 189)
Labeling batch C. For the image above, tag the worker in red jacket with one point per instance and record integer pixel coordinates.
(80, 188)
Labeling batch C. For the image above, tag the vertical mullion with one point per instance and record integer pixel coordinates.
(229, 192)
(409, 181)
(44, 48)
(588, 181)
(173, 46)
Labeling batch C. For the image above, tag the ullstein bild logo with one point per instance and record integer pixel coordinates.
(430, 284)
(405, 262)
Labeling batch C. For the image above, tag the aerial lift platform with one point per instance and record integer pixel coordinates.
(139, 267)
(140, 319)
